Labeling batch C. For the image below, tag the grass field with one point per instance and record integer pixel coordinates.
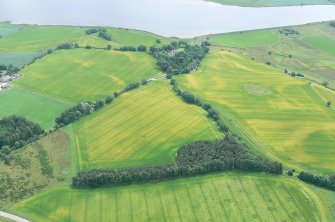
(247, 39)
(24, 177)
(268, 3)
(38, 38)
(84, 75)
(6, 30)
(222, 197)
(143, 127)
(37, 108)
(325, 94)
(311, 52)
(281, 115)
(17, 59)
(122, 37)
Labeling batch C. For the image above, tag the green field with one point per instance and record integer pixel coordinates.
(311, 52)
(17, 59)
(85, 75)
(325, 94)
(6, 30)
(37, 108)
(143, 127)
(124, 37)
(247, 39)
(222, 197)
(272, 3)
(280, 115)
(39, 38)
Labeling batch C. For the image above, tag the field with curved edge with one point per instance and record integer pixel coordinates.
(143, 127)
(83, 75)
(291, 124)
(221, 197)
(38, 38)
(37, 108)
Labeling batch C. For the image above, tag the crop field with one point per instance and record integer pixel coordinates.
(37, 108)
(143, 127)
(323, 43)
(284, 115)
(39, 38)
(262, 3)
(6, 30)
(84, 75)
(222, 197)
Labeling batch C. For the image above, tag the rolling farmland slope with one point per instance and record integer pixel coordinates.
(143, 127)
(37, 108)
(221, 197)
(284, 115)
(85, 75)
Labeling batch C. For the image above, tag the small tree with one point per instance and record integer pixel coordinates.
(329, 103)
(142, 48)
(109, 47)
(325, 83)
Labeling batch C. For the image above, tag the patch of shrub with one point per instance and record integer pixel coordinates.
(128, 48)
(73, 114)
(65, 46)
(321, 181)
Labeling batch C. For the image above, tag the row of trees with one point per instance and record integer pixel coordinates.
(321, 181)
(212, 112)
(194, 159)
(179, 57)
(82, 109)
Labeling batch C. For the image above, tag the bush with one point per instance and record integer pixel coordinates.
(99, 104)
(105, 35)
(131, 86)
(109, 47)
(268, 63)
(64, 46)
(321, 181)
(142, 48)
(128, 48)
(73, 114)
(109, 99)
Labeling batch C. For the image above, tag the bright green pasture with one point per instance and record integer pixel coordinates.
(40, 109)
(290, 124)
(325, 94)
(221, 197)
(85, 75)
(323, 43)
(143, 127)
(259, 3)
(246, 39)
(38, 38)
(16, 58)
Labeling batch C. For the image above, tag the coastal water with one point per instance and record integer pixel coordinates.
(181, 18)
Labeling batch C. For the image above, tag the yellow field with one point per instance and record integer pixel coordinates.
(281, 116)
(143, 127)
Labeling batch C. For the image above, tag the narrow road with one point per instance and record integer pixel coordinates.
(12, 217)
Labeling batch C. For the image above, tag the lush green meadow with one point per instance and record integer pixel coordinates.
(278, 114)
(327, 95)
(221, 197)
(16, 58)
(39, 38)
(311, 52)
(124, 37)
(85, 75)
(35, 107)
(143, 127)
(272, 3)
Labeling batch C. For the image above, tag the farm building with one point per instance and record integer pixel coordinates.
(6, 78)
(4, 86)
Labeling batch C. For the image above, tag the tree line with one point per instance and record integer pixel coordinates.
(324, 181)
(16, 132)
(85, 108)
(102, 33)
(197, 158)
(179, 57)
(212, 113)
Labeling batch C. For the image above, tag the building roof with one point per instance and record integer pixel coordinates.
(5, 78)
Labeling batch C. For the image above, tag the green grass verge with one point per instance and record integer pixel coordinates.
(85, 75)
(37, 108)
(143, 127)
(38, 38)
(17, 59)
(291, 124)
(221, 197)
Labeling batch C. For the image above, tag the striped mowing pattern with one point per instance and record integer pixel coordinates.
(221, 197)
